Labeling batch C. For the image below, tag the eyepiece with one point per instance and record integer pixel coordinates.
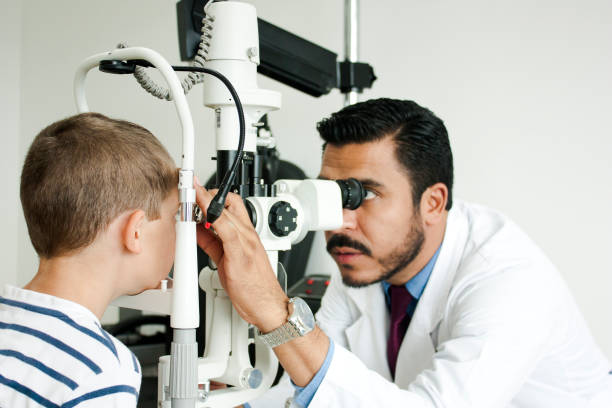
(353, 193)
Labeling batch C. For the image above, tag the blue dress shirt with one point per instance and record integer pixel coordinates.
(416, 285)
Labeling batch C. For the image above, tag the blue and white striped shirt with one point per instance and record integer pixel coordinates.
(55, 354)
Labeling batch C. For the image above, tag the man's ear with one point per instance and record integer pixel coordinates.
(132, 231)
(433, 203)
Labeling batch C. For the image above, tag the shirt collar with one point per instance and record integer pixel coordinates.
(416, 285)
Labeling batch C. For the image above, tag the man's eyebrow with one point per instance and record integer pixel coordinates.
(366, 182)
(370, 183)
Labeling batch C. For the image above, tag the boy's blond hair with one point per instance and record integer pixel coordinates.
(80, 173)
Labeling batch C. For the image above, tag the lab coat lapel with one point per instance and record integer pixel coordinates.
(419, 344)
(367, 336)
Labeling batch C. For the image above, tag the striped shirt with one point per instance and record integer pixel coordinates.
(55, 354)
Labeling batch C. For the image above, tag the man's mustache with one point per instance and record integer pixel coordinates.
(340, 240)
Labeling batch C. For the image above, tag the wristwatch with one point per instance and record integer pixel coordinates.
(300, 322)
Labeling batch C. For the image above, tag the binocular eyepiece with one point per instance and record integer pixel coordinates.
(353, 193)
(351, 190)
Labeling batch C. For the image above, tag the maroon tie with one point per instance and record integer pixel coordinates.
(400, 299)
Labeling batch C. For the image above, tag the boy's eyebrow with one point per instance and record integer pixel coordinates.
(366, 181)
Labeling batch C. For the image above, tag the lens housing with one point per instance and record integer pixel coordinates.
(353, 193)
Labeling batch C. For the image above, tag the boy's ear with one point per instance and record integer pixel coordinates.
(132, 231)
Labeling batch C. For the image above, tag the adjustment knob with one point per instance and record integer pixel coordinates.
(251, 378)
(282, 219)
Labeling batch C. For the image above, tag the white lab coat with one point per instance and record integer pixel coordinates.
(495, 327)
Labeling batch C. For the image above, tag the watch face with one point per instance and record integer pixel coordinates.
(302, 317)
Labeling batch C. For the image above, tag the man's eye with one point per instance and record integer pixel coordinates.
(369, 194)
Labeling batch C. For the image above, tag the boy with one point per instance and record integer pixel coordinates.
(99, 197)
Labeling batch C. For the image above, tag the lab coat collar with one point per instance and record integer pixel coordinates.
(418, 345)
(430, 308)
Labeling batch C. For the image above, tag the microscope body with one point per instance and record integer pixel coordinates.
(282, 214)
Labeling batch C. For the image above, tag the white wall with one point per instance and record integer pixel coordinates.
(524, 88)
(10, 163)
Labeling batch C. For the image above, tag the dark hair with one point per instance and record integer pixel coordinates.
(422, 145)
(82, 172)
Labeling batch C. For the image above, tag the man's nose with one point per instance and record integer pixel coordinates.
(349, 219)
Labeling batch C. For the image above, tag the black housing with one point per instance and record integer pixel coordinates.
(284, 56)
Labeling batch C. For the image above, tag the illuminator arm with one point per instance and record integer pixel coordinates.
(284, 56)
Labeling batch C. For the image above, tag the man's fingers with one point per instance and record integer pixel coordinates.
(233, 202)
(209, 243)
(235, 205)
(226, 227)
(214, 385)
(234, 210)
(207, 239)
(203, 197)
(233, 226)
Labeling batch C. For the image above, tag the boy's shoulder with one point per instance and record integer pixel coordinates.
(55, 350)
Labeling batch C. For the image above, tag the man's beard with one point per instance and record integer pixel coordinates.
(391, 264)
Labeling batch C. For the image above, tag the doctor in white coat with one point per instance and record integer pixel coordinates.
(436, 303)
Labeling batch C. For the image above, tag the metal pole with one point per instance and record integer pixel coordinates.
(351, 40)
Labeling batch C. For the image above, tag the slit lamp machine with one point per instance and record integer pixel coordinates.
(226, 62)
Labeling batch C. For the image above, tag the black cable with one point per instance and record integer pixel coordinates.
(218, 203)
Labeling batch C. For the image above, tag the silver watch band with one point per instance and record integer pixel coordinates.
(299, 323)
(280, 335)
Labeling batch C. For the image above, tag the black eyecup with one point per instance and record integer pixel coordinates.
(353, 193)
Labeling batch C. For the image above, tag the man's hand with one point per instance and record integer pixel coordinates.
(243, 265)
(248, 279)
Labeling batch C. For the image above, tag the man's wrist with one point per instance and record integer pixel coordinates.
(303, 357)
(274, 317)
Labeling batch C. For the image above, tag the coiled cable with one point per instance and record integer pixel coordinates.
(193, 78)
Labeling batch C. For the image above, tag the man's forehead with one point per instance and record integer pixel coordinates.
(371, 160)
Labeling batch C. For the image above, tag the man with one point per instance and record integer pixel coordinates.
(440, 303)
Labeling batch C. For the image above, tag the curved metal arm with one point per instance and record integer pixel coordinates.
(176, 90)
(185, 314)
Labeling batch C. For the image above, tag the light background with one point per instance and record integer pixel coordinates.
(524, 87)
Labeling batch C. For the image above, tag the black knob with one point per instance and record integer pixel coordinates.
(353, 193)
(282, 219)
